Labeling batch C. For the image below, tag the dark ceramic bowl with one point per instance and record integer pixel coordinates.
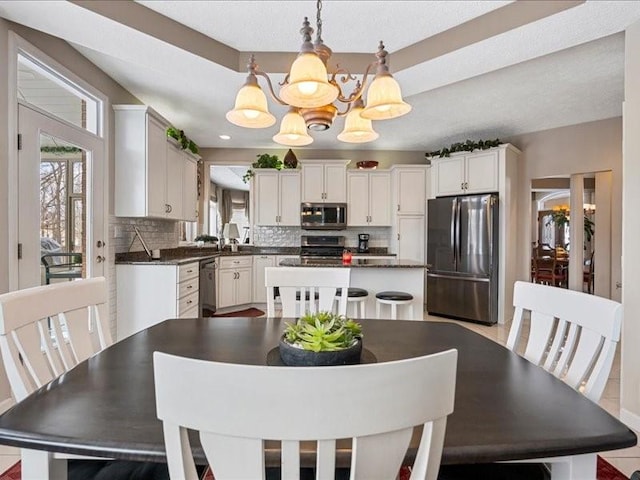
(367, 164)
(297, 357)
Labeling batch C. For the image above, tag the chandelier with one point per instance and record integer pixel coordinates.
(310, 92)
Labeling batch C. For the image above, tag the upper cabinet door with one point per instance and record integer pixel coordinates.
(380, 199)
(358, 199)
(156, 168)
(190, 190)
(175, 167)
(411, 190)
(449, 176)
(482, 172)
(266, 197)
(289, 199)
(324, 181)
(335, 183)
(313, 183)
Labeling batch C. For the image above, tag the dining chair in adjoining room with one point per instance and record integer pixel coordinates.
(236, 408)
(300, 286)
(573, 335)
(47, 330)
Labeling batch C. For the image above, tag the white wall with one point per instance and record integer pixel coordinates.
(562, 152)
(630, 359)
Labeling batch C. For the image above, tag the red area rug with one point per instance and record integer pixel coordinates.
(606, 471)
(248, 312)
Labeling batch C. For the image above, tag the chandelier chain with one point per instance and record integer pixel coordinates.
(318, 21)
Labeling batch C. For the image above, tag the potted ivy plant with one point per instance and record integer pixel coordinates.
(321, 339)
(264, 161)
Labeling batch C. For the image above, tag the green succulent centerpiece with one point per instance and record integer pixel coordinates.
(322, 338)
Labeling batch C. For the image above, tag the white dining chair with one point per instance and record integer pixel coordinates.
(47, 330)
(236, 407)
(299, 287)
(573, 335)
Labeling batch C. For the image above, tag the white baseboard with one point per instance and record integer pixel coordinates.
(631, 419)
(6, 404)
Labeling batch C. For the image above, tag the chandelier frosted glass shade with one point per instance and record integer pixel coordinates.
(357, 129)
(251, 110)
(308, 86)
(293, 130)
(384, 99)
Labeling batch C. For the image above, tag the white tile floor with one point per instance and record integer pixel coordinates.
(626, 460)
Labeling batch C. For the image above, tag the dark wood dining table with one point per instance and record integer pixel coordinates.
(506, 408)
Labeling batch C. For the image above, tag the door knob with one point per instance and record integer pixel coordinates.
(100, 259)
(100, 244)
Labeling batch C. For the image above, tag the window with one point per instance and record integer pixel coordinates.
(44, 88)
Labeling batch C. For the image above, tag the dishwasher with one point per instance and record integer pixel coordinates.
(207, 298)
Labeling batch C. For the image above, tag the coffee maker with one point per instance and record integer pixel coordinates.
(363, 243)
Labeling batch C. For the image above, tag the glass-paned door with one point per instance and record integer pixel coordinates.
(61, 200)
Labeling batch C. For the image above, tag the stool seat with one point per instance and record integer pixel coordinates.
(353, 292)
(394, 296)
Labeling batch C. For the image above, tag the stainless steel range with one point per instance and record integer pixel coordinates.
(321, 246)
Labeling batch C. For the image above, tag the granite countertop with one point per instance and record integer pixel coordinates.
(182, 255)
(355, 263)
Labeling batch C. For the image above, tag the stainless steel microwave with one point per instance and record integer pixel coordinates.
(323, 216)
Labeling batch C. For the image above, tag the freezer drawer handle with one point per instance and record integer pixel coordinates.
(452, 277)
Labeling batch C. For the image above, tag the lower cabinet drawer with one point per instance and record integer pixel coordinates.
(188, 287)
(188, 271)
(187, 303)
(236, 262)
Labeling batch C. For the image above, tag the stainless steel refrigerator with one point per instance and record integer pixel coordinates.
(462, 251)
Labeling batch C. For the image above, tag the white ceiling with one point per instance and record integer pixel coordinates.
(562, 69)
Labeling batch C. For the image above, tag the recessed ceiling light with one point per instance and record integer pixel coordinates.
(225, 137)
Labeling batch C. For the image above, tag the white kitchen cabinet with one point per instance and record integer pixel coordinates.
(410, 237)
(149, 294)
(190, 189)
(260, 262)
(234, 286)
(463, 174)
(151, 171)
(409, 189)
(276, 197)
(175, 171)
(324, 181)
(368, 198)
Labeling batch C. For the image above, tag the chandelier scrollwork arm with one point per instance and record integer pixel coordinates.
(346, 77)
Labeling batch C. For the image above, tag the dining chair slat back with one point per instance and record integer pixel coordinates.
(47, 330)
(298, 287)
(236, 407)
(572, 334)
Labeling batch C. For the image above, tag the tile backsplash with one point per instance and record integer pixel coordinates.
(290, 236)
(158, 234)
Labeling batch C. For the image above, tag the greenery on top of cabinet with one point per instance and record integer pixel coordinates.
(184, 142)
(468, 146)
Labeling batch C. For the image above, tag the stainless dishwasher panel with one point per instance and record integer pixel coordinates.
(207, 286)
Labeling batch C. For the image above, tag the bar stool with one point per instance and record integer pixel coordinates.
(356, 297)
(394, 299)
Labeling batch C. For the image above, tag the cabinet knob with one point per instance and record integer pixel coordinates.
(398, 207)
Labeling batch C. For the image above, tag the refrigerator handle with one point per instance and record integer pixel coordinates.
(458, 246)
(454, 243)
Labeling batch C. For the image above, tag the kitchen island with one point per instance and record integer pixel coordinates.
(377, 275)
